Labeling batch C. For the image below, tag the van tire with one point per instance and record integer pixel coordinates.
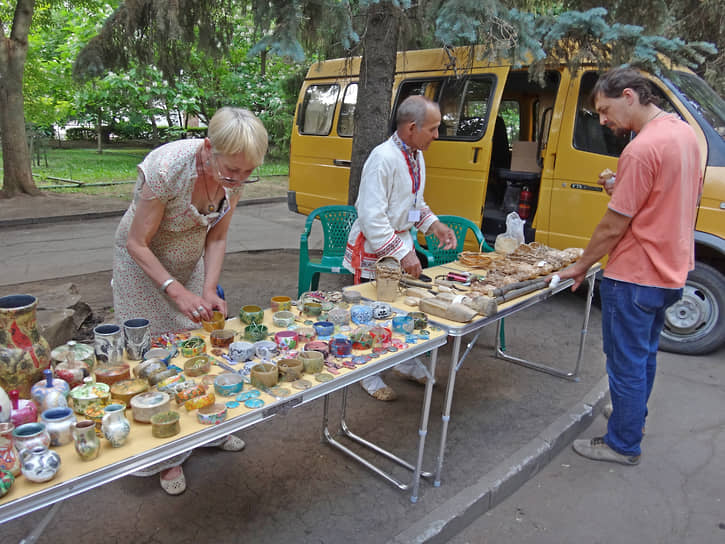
(695, 324)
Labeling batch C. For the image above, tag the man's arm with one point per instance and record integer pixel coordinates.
(607, 234)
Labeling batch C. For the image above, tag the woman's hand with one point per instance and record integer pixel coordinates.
(214, 302)
(192, 306)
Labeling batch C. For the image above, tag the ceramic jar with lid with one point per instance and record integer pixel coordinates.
(145, 405)
(50, 392)
(89, 393)
(39, 464)
(73, 362)
(58, 422)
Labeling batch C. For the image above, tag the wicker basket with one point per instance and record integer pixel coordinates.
(388, 273)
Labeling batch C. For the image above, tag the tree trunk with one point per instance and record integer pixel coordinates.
(377, 72)
(17, 176)
(99, 132)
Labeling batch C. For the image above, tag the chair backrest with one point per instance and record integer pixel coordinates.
(459, 225)
(336, 222)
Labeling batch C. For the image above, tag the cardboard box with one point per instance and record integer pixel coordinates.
(523, 157)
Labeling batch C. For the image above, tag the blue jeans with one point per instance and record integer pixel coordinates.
(632, 320)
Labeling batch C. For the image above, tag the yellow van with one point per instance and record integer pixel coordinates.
(508, 143)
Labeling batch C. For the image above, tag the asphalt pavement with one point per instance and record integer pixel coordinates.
(510, 474)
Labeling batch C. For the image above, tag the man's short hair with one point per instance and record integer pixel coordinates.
(414, 108)
(613, 83)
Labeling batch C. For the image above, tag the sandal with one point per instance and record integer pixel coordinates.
(232, 443)
(175, 486)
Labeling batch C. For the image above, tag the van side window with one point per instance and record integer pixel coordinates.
(346, 123)
(589, 135)
(472, 97)
(318, 109)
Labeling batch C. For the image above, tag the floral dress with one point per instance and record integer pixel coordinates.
(170, 172)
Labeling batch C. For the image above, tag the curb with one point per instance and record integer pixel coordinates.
(458, 512)
(113, 213)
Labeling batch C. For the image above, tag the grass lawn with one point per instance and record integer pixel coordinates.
(118, 165)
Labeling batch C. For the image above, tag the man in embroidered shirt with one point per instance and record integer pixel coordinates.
(389, 203)
(648, 233)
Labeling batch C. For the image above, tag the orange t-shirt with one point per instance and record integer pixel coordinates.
(659, 180)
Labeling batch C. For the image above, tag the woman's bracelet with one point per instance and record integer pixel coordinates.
(165, 285)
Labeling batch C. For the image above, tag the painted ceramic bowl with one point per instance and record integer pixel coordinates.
(360, 314)
(403, 324)
(221, 338)
(266, 349)
(420, 320)
(264, 374)
(324, 328)
(286, 339)
(187, 393)
(216, 322)
(251, 314)
(318, 345)
(312, 309)
(340, 347)
(112, 374)
(280, 303)
(361, 338)
(196, 366)
(283, 319)
(31, 435)
(313, 361)
(228, 384)
(241, 351)
(165, 424)
(290, 370)
(382, 310)
(163, 354)
(127, 389)
(255, 332)
(306, 334)
(193, 346)
(213, 414)
(199, 402)
(339, 316)
(145, 405)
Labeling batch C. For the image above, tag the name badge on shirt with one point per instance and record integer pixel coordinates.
(413, 215)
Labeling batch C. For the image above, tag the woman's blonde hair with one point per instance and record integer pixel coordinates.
(236, 130)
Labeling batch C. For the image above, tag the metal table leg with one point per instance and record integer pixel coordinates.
(37, 531)
(417, 469)
(500, 352)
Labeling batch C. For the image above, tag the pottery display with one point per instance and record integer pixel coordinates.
(23, 411)
(50, 392)
(306, 334)
(221, 338)
(165, 424)
(339, 316)
(39, 464)
(9, 459)
(163, 354)
(278, 304)
(137, 337)
(187, 393)
(115, 426)
(31, 435)
(228, 384)
(6, 482)
(312, 361)
(265, 349)
(360, 314)
(283, 319)
(312, 309)
(89, 393)
(193, 346)
(145, 405)
(73, 362)
(286, 340)
(382, 310)
(147, 367)
(58, 422)
(108, 344)
(255, 332)
(197, 366)
(420, 320)
(170, 384)
(324, 328)
(85, 440)
(199, 402)
(340, 347)
(251, 314)
(403, 324)
(158, 377)
(351, 297)
(318, 345)
(24, 353)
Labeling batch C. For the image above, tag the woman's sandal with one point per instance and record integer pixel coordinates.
(176, 486)
(232, 443)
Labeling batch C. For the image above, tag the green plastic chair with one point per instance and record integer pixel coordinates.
(336, 222)
(459, 225)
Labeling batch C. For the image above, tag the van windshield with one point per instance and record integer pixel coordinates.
(702, 98)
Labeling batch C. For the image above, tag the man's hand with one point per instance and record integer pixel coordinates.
(575, 271)
(446, 236)
(411, 264)
(606, 180)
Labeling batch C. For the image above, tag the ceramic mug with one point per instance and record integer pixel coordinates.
(108, 344)
(137, 333)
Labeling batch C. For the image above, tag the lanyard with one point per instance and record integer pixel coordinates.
(413, 166)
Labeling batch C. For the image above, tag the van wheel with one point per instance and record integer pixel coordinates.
(695, 324)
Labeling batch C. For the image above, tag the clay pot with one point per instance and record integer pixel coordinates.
(50, 392)
(9, 459)
(39, 464)
(88, 394)
(73, 362)
(115, 426)
(165, 424)
(216, 322)
(127, 389)
(313, 361)
(145, 405)
(290, 370)
(251, 314)
(279, 304)
(86, 442)
(113, 373)
(264, 374)
(24, 354)
(58, 422)
(31, 435)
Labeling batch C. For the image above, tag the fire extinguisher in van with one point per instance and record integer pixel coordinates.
(524, 210)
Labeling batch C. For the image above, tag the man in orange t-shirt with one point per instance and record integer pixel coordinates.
(648, 233)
